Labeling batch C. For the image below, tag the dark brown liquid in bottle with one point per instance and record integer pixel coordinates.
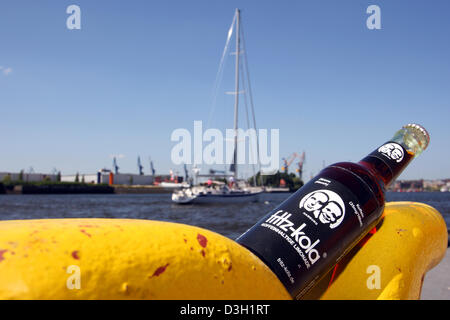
(381, 171)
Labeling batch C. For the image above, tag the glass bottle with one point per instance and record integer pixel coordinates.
(307, 234)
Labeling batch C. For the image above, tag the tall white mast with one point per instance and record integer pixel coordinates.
(236, 99)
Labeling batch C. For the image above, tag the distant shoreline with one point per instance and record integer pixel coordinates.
(88, 188)
(76, 188)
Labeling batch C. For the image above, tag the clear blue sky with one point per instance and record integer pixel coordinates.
(137, 70)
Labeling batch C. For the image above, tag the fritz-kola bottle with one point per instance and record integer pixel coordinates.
(305, 236)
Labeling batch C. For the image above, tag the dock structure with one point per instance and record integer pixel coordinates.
(27, 177)
(108, 177)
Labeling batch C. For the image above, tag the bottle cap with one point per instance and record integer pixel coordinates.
(421, 134)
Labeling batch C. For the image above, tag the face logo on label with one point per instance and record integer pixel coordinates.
(392, 151)
(326, 206)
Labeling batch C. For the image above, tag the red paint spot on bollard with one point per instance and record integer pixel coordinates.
(75, 255)
(159, 270)
(2, 252)
(87, 226)
(202, 240)
(84, 231)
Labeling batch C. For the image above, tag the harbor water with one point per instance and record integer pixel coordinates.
(230, 220)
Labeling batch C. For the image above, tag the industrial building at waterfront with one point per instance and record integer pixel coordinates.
(103, 176)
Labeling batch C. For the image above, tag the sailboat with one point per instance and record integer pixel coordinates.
(216, 191)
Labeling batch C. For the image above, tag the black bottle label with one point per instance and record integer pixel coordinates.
(394, 155)
(310, 232)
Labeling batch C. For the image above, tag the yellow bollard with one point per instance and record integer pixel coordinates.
(127, 259)
(392, 262)
(142, 259)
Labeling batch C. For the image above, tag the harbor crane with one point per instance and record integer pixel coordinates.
(140, 167)
(152, 168)
(300, 165)
(115, 166)
(287, 162)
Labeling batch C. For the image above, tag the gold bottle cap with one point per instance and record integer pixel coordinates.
(422, 134)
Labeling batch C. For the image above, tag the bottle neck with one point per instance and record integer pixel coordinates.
(388, 161)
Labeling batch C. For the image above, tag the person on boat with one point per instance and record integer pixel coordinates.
(231, 182)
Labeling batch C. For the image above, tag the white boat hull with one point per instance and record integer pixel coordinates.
(277, 190)
(218, 198)
(243, 198)
(173, 185)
